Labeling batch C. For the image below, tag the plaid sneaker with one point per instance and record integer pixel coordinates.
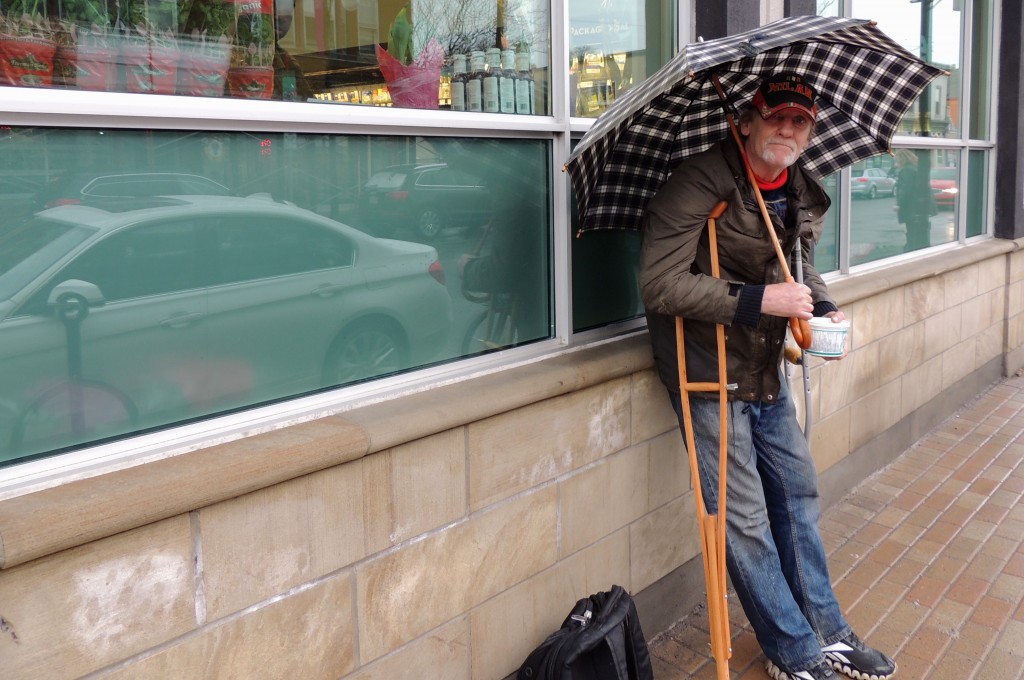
(851, 657)
(820, 671)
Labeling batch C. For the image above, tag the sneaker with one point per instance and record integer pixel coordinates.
(851, 657)
(820, 671)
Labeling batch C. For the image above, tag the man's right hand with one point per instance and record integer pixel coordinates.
(787, 300)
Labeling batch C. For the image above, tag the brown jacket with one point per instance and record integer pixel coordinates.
(675, 269)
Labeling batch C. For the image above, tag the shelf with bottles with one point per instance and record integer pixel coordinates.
(365, 96)
(494, 80)
(598, 81)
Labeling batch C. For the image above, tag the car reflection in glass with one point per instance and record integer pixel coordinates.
(422, 200)
(114, 320)
(74, 188)
(944, 189)
(871, 183)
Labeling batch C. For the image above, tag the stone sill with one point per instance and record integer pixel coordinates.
(867, 284)
(67, 515)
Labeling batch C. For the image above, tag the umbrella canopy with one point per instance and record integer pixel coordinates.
(865, 83)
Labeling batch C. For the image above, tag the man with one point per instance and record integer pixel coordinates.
(915, 204)
(774, 552)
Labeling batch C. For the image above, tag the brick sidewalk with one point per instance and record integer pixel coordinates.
(927, 558)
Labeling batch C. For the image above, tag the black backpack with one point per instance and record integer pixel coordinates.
(599, 640)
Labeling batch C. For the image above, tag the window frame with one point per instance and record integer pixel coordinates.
(962, 143)
(31, 107)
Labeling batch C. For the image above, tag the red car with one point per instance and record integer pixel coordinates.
(943, 182)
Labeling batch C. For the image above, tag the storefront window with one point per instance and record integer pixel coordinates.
(931, 30)
(614, 45)
(903, 203)
(982, 54)
(149, 278)
(826, 251)
(977, 180)
(477, 55)
(605, 276)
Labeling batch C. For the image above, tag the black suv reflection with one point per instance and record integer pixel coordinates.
(423, 199)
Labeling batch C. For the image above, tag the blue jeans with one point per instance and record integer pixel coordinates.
(774, 552)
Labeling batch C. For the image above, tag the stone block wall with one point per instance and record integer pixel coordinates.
(445, 534)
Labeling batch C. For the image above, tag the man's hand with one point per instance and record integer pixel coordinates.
(787, 300)
(839, 316)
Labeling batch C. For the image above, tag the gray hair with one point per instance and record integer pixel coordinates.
(748, 112)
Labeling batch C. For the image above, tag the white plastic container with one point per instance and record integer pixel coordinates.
(828, 338)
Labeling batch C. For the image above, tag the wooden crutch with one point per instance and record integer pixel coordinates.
(712, 527)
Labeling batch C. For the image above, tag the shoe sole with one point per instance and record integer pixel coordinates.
(777, 673)
(840, 667)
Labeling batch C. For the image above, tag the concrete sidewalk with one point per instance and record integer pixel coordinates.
(927, 558)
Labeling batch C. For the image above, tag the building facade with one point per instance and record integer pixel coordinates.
(323, 385)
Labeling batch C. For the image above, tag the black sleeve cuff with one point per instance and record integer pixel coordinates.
(824, 307)
(748, 305)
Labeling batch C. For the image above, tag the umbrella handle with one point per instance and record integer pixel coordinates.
(800, 328)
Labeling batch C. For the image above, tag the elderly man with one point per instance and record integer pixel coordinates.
(774, 552)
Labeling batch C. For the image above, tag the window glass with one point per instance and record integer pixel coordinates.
(614, 45)
(381, 53)
(977, 180)
(151, 259)
(826, 251)
(144, 289)
(828, 8)
(903, 203)
(982, 84)
(605, 276)
(931, 30)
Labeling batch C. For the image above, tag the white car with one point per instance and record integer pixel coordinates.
(871, 183)
(121, 319)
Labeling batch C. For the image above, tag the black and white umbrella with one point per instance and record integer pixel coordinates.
(865, 83)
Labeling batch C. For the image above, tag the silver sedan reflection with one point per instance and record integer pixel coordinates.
(119, 318)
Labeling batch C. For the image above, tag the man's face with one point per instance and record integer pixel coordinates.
(776, 142)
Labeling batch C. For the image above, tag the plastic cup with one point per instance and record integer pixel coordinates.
(828, 338)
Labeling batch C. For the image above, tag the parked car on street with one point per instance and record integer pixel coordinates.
(944, 187)
(423, 200)
(117, 320)
(72, 188)
(871, 183)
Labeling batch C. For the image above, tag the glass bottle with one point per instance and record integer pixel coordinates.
(524, 83)
(507, 86)
(492, 81)
(475, 82)
(458, 84)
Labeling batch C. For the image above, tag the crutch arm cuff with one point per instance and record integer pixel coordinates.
(748, 305)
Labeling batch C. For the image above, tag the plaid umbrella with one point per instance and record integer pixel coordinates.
(864, 80)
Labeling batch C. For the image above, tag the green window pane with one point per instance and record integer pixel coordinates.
(915, 207)
(144, 289)
(826, 250)
(982, 83)
(977, 181)
(875, 229)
